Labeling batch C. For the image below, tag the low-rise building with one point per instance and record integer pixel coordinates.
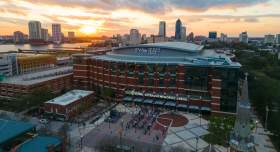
(18, 136)
(12, 132)
(33, 62)
(69, 105)
(42, 143)
(8, 64)
(56, 79)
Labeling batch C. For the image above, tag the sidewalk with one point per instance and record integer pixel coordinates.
(262, 140)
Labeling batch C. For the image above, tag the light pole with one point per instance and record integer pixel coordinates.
(256, 126)
(109, 120)
(81, 142)
(196, 143)
(200, 116)
(266, 116)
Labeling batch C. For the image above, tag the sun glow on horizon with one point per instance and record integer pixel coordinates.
(88, 30)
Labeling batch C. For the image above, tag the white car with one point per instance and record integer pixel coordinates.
(43, 121)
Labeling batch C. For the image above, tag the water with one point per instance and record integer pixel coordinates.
(12, 47)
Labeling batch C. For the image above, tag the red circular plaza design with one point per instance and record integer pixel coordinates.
(177, 120)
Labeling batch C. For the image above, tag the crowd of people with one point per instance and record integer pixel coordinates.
(144, 119)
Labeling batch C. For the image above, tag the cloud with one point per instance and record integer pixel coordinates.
(251, 19)
(154, 6)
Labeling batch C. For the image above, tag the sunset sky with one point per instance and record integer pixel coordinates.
(108, 17)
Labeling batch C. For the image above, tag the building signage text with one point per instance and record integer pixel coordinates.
(148, 51)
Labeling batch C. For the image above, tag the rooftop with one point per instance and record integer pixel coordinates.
(39, 144)
(70, 97)
(10, 129)
(40, 76)
(177, 45)
(170, 53)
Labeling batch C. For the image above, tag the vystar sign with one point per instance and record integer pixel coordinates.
(148, 51)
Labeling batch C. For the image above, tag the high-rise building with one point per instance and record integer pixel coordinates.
(223, 37)
(183, 33)
(277, 40)
(243, 37)
(45, 34)
(71, 35)
(35, 30)
(134, 37)
(162, 29)
(269, 39)
(190, 37)
(212, 35)
(178, 29)
(56, 33)
(19, 37)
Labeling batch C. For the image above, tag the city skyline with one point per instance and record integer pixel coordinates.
(97, 18)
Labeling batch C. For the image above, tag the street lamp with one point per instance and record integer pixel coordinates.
(196, 143)
(266, 116)
(256, 126)
(81, 137)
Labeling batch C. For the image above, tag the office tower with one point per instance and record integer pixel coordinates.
(190, 37)
(162, 29)
(45, 34)
(56, 33)
(71, 35)
(269, 39)
(183, 33)
(277, 40)
(134, 37)
(178, 29)
(35, 30)
(223, 37)
(212, 35)
(19, 37)
(243, 37)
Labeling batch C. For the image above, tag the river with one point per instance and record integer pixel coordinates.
(12, 47)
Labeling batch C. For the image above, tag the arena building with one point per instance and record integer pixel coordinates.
(172, 74)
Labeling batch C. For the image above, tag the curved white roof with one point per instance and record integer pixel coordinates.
(178, 45)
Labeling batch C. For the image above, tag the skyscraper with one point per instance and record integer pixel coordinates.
(45, 34)
(35, 30)
(183, 33)
(178, 29)
(243, 37)
(162, 29)
(56, 33)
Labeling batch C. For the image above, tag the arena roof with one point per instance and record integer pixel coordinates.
(10, 129)
(177, 45)
(169, 53)
(69, 97)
